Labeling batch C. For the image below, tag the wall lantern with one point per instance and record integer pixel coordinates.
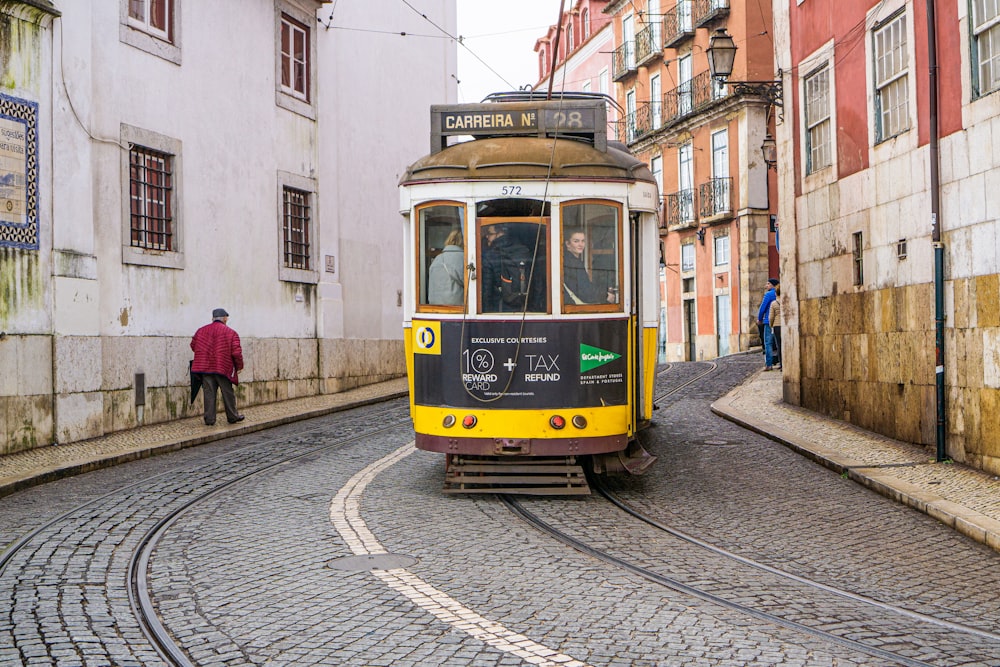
(721, 56)
(770, 150)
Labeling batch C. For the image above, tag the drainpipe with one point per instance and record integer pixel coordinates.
(935, 186)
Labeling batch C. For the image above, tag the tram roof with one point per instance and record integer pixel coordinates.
(506, 158)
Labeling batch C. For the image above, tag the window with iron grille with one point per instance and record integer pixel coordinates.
(295, 228)
(150, 198)
(817, 94)
(892, 96)
(294, 58)
(857, 257)
(985, 47)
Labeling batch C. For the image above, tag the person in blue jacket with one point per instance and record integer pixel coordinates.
(762, 321)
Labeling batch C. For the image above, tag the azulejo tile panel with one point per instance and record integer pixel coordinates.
(18, 173)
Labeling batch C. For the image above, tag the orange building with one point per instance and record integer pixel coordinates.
(703, 140)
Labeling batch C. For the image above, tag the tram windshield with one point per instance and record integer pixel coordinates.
(513, 276)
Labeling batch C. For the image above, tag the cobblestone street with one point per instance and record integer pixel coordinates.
(329, 542)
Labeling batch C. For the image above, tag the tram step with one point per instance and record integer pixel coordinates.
(549, 476)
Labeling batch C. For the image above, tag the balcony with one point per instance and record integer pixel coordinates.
(716, 199)
(623, 61)
(706, 11)
(646, 46)
(691, 96)
(679, 210)
(677, 25)
(641, 122)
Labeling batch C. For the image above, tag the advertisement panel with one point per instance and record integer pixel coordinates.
(504, 365)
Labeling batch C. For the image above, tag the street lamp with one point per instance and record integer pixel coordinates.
(721, 56)
(770, 150)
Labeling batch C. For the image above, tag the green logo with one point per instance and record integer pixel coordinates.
(592, 357)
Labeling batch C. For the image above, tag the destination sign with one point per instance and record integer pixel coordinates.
(585, 119)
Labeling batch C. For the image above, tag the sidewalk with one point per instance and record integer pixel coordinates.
(966, 499)
(45, 464)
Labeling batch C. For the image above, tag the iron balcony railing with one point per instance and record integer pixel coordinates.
(641, 122)
(691, 96)
(715, 197)
(677, 25)
(679, 209)
(623, 61)
(646, 47)
(706, 11)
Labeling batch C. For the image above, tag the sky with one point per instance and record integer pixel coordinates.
(503, 35)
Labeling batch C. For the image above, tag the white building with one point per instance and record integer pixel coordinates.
(161, 158)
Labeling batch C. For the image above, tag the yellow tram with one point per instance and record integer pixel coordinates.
(531, 299)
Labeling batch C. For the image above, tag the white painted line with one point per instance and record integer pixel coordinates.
(345, 514)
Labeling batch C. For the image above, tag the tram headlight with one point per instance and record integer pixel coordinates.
(557, 422)
(579, 421)
(469, 421)
(448, 421)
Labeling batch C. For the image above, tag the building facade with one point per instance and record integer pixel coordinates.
(702, 139)
(161, 158)
(889, 167)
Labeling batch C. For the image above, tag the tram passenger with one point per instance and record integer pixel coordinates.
(578, 287)
(445, 277)
(507, 278)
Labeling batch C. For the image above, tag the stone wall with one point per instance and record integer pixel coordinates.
(869, 358)
(92, 389)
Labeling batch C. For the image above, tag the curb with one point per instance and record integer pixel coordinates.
(968, 522)
(13, 484)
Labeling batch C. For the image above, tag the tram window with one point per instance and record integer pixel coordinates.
(591, 257)
(441, 255)
(513, 276)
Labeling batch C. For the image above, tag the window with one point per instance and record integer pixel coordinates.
(892, 108)
(152, 16)
(630, 109)
(152, 26)
(721, 242)
(655, 100)
(150, 182)
(585, 22)
(687, 257)
(441, 265)
(295, 56)
(295, 228)
(817, 112)
(591, 261)
(858, 256)
(150, 195)
(685, 183)
(685, 102)
(985, 46)
(512, 255)
(297, 216)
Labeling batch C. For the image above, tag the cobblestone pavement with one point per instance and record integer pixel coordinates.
(252, 576)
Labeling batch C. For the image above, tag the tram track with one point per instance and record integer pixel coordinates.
(518, 508)
(142, 604)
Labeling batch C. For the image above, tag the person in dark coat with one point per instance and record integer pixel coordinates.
(507, 260)
(218, 358)
(578, 288)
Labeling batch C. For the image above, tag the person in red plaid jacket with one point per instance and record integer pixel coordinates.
(218, 358)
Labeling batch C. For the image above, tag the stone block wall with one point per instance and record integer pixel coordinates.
(69, 388)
